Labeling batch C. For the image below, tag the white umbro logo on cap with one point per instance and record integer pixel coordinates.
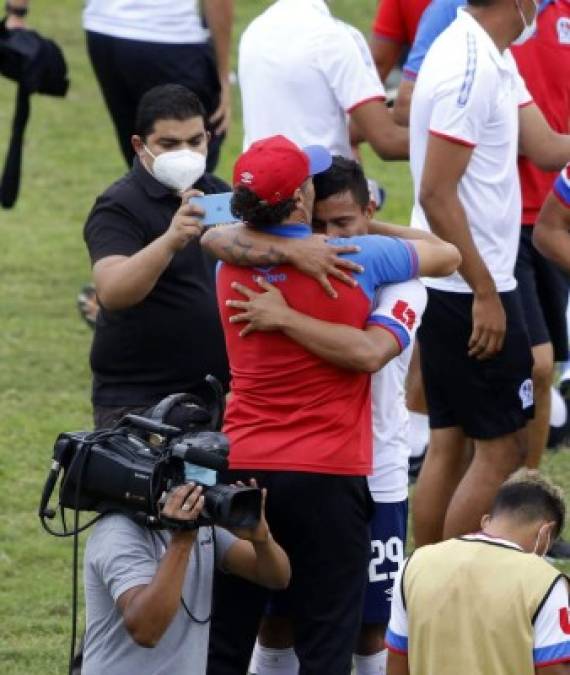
(246, 178)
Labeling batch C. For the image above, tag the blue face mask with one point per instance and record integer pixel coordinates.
(529, 28)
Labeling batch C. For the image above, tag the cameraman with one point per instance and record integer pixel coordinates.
(147, 589)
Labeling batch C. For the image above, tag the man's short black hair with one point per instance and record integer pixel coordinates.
(529, 497)
(166, 102)
(256, 212)
(344, 175)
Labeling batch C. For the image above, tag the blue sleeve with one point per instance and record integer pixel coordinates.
(562, 186)
(385, 260)
(438, 15)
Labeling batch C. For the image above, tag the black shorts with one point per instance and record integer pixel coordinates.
(322, 522)
(487, 399)
(543, 288)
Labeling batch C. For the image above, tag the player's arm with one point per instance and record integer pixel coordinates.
(445, 164)
(388, 36)
(401, 231)
(403, 102)
(219, 17)
(344, 346)
(376, 125)
(546, 148)
(246, 247)
(551, 233)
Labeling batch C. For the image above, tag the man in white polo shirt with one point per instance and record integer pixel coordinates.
(135, 45)
(471, 114)
(303, 74)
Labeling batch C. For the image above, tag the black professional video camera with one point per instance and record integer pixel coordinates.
(129, 468)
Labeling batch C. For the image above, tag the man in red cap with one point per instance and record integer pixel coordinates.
(299, 425)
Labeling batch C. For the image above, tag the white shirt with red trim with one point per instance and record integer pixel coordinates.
(164, 21)
(401, 306)
(469, 92)
(551, 626)
(300, 72)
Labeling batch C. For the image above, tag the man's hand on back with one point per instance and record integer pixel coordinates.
(314, 257)
(262, 311)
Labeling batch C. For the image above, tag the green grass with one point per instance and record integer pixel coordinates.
(70, 156)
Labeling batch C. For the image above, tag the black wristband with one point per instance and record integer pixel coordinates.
(16, 11)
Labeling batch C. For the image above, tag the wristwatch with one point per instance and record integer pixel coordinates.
(15, 11)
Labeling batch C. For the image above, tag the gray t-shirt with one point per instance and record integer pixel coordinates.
(120, 555)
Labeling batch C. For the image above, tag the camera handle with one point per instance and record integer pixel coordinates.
(150, 425)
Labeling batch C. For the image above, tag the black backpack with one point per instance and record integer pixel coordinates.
(38, 66)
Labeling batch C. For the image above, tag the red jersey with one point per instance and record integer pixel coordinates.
(398, 19)
(544, 63)
(289, 410)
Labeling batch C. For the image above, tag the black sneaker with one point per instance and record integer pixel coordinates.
(415, 466)
(560, 550)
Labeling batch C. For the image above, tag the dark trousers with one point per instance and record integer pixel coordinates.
(322, 523)
(126, 69)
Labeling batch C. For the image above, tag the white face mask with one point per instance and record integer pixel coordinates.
(178, 169)
(529, 28)
(536, 544)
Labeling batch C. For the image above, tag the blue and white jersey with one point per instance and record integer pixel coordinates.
(398, 309)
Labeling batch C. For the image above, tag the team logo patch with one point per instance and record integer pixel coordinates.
(246, 178)
(526, 393)
(563, 28)
(564, 620)
(404, 314)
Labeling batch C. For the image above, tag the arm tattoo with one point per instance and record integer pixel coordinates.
(237, 249)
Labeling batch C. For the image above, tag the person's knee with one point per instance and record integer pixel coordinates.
(501, 456)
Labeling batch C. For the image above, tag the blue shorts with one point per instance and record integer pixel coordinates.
(388, 529)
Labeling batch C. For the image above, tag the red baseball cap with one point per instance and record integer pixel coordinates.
(273, 168)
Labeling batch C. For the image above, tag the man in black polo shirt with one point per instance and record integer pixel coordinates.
(158, 329)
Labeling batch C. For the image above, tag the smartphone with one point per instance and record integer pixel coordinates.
(216, 209)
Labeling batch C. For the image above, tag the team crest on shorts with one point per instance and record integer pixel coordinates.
(526, 393)
(563, 28)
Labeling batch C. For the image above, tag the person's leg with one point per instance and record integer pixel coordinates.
(388, 530)
(329, 562)
(542, 374)
(106, 56)
(493, 462)
(274, 653)
(237, 605)
(441, 473)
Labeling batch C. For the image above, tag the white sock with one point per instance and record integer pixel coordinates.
(371, 665)
(419, 433)
(268, 661)
(558, 412)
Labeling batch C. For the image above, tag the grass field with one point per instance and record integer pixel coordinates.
(71, 155)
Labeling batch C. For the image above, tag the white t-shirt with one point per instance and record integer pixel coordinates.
(551, 641)
(404, 303)
(300, 72)
(468, 92)
(167, 21)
